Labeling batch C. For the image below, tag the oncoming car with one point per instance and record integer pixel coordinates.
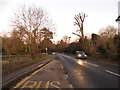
(80, 54)
(53, 53)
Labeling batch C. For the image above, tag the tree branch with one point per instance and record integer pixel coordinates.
(76, 34)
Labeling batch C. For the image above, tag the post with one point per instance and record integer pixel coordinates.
(118, 15)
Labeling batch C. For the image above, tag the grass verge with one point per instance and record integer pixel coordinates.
(9, 65)
(40, 59)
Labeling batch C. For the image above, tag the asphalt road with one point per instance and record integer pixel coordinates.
(91, 73)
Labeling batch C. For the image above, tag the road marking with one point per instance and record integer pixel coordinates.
(93, 64)
(70, 85)
(66, 76)
(29, 84)
(54, 84)
(61, 66)
(112, 73)
(40, 65)
(21, 82)
(47, 84)
(26, 78)
(39, 84)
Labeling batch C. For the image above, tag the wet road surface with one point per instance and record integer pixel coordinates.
(90, 74)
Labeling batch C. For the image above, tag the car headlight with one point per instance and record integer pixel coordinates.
(79, 55)
(85, 55)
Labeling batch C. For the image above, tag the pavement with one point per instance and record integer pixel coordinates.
(19, 74)
(51, 75)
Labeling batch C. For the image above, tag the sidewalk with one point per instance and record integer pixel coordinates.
(19, 74)
(52, 75)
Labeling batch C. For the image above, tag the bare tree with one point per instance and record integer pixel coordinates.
(66, 39)
(79, 20)
(106, 40)
(108, 32)
(27, 23)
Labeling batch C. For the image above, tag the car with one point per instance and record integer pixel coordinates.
(54, 53)
(80, 55)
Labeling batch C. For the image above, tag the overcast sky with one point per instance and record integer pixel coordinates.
(100, 14)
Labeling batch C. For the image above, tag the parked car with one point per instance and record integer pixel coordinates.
(80, 54)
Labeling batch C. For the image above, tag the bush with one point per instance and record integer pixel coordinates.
(102, 51)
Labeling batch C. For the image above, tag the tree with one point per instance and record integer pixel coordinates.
(117, 44)
(28, 23)
(95, 38)
(46, 33)
(61, 46)
(107, 41)
(12, 45)
(108, 32)
(66, 39)
(72, 48)
(79, 20)
(46, 43)
(102, 51)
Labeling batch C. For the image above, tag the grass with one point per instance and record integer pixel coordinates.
(11, 64)
(40, 59)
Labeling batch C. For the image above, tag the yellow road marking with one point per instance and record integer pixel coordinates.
(53, 84)
(39, 84)
(32, 84)
(47, 84)
(22, 81)
(26, 78)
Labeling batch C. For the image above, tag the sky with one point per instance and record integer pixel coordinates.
(101, 13)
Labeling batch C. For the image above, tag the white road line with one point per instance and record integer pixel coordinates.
(112, 73)
(61, 66)
(66, 75)
(70, 85)
(93, 64)
(40, 65)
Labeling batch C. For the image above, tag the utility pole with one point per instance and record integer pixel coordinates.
(118, 19)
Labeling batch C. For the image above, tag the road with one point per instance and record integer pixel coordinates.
(91, 73)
